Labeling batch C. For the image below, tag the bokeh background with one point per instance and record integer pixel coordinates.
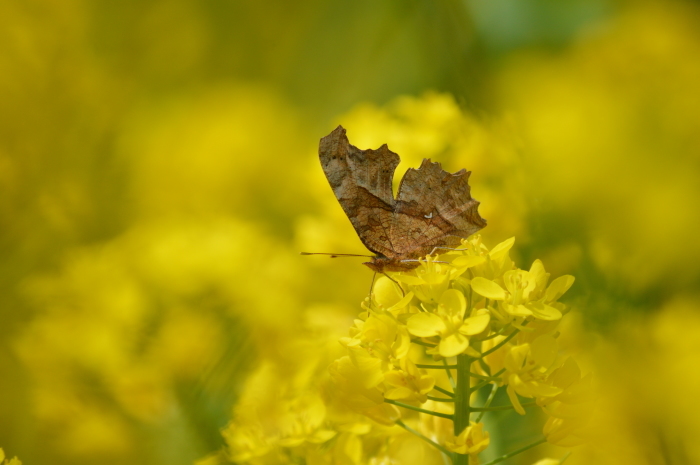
(158, 178)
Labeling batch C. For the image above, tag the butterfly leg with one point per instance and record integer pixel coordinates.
(371, 288)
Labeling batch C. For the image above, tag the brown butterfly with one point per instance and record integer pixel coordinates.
(433, 209)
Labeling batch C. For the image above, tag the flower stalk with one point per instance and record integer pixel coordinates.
(462, 407)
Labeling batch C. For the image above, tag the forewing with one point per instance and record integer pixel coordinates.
(361, 181)
(434, 208)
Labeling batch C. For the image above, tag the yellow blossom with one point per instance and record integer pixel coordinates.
(527, 366)
(449, 324)
(246, 442)
(12, 461)
(408, 383)
(471, 441)
(464, 303)
(377, 344)
(351, 389)
(524, 294)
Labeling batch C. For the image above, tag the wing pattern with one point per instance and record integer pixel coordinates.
(433, 208)
(361, 181)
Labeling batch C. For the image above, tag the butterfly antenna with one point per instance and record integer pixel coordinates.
(335, 255)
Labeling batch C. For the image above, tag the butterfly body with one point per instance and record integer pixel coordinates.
(433, 208)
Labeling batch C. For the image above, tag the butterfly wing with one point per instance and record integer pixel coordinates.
(361, 181)
(434, 208)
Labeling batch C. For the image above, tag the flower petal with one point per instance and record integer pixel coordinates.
(453, 302)
(452, 345)
(558, 287)
(542, 311)
(475, 324)
(514, 397)
(386, 292)
(487, 288)
(425, 325)
(501, 248)
(468, 261)
(518, 310)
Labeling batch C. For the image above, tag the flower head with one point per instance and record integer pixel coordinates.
(471, 441)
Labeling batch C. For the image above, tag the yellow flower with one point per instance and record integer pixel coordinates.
(449, 324)
(388, 299)
(303, 421)
(571, 410)
(352, 391)
(377, 344)
(245, 442)
(565, 432)
(429, 280)
(528, 367)
(408, 383)
(471, 441)
(465, 301)
(497, 261)
(12, 461)
(524, 294)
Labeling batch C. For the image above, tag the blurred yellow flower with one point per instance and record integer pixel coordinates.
(408, 383)
(12, 461)
(471, 441)
(609, 131)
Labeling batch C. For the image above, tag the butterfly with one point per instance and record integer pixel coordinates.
(433, 208)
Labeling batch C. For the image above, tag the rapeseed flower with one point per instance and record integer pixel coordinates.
(472, 315)
(424, 344)
(471, 441)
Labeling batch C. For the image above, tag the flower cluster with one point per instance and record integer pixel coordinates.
(429, 340)
(413, 368)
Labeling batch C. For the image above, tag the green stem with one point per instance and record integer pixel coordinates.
(484, 366)
(489, 378)
(516, 452)
(490, 398)
(500, 344)
(440, 399)
(449, 374)
(479, 386)
(496, 334)
(462, 407)
(487, 381)
(426, 439)
(418, 409)
(444, 391)
(435, 367)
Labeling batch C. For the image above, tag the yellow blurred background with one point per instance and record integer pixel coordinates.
(158, 177)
